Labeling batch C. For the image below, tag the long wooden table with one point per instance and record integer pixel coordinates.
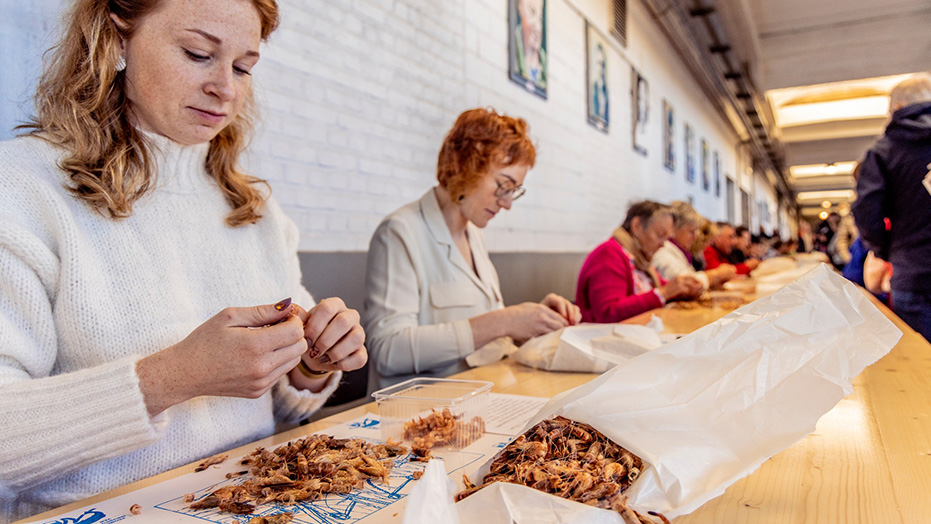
(869, 461)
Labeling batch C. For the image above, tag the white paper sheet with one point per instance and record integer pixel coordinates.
(376, 504)
(587, 348)
(508, 414)
(709, 408)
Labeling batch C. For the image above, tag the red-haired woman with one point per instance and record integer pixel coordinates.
(433, 296)
(130, 242)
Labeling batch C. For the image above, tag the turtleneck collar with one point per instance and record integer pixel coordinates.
(181, 168)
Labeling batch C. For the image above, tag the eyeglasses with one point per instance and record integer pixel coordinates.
(506, 190)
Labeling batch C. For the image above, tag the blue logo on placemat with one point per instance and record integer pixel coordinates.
(88, 517)
(366, 423)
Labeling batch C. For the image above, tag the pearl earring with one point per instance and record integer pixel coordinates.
(120, 64)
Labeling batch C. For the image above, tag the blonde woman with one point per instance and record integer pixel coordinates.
(142, 272)
(675, 257)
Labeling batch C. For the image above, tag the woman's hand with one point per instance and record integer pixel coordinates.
(681, 286)
(530, 319)
(240, 352)
(720, 274)
(334, 336)
(564, 307)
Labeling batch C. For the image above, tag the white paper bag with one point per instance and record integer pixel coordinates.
(429, 501)
(493, 351)
(587, 348)
(709, 408)
(503, 503)
(775, 265)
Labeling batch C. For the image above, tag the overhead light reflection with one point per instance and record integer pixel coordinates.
(833, 111)
(837, 194)
(808, 170)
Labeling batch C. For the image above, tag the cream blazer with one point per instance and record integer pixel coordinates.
(671, 262)
(420, 293)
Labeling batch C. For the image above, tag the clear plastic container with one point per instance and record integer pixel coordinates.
(420, 397)
(743, 285)
(728, 299)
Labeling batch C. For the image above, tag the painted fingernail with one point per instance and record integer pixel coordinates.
(314, 352)
(281, 306)
(325, 359)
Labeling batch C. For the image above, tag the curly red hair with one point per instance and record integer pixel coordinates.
(480, 140)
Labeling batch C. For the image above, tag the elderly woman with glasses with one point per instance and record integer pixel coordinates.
(433, 296)
(618, 281)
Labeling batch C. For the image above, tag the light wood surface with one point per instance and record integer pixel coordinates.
(869, 461)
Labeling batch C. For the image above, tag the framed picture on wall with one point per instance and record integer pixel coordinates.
(669, 126)
(640, 109)
(717, 174)
(596, 77)
(527, 44)
(705, 167)
(689, 153)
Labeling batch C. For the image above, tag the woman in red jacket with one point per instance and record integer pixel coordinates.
(617, 281)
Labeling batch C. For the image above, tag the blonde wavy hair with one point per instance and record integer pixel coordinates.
(81, 105)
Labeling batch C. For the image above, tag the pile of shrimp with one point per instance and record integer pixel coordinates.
(570, 460)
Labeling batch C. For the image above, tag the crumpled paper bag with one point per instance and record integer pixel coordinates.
(587, 348)
(774, 265)
(522, 505)
(493, 351)
(711, 407)
(430, 500)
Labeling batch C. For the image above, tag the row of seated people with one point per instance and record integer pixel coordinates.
(432, 293)
(659, 253)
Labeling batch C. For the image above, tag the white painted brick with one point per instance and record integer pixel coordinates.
(357, 95)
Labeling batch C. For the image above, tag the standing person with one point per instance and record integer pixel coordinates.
(432, 293)
(674, 258)
(617, 282)
(839, 248)
(722, 243)
(805, 241)
(895, 184)
(128, 233)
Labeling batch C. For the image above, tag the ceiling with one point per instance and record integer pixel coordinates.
(826, 68)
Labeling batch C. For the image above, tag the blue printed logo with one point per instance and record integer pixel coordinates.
(366, 423)
(88, 517)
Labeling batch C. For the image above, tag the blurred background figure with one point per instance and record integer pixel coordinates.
(805, 241)
(839, 247)
(722, 243)
(617, 280)
(675, 257)
(895, 185)
(702, 239)
(741, 249)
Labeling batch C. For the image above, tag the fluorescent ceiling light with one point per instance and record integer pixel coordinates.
(838, 194)
(809, 170)
(833, 111)
(837, 101)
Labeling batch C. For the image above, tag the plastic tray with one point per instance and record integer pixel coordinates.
(419, 397)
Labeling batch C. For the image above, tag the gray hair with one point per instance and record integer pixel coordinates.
(683, 214)
(913, 90)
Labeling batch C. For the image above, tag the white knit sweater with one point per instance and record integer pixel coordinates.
(83, 297)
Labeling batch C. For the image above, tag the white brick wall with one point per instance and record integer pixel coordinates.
(358, 94)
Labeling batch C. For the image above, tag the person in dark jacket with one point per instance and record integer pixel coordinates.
(895, 186)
